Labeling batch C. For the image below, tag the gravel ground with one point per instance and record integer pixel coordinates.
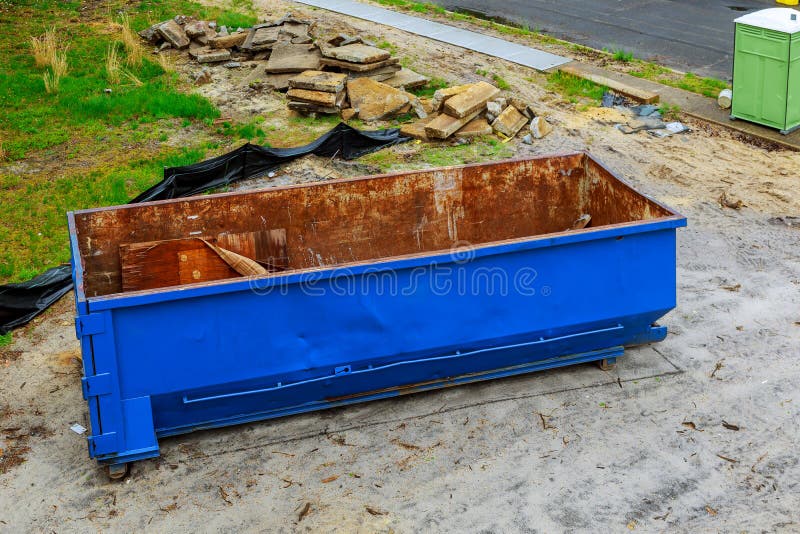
(695, 434)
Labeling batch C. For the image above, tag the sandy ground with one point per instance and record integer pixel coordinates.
(642, 448)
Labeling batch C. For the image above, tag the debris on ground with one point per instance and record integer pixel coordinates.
(729, 202)
(725, 98)
(344, 75)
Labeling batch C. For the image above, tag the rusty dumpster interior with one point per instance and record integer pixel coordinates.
(206, 238)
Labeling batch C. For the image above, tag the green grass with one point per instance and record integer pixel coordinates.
(432, 86)
(481, 149)
(576, 89)
(623, 56)
(709, 87)
(500, 82)
(6, 339)
(117, 139)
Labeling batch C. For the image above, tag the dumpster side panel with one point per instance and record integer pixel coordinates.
(210, 360)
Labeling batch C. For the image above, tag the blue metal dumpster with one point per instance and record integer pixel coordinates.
(377, 286)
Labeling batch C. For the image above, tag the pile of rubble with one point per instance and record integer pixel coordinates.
(287, 45)
(347, 76)
(474, 110)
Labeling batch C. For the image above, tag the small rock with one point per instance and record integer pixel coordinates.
(528, 140)
(348, 114)
(164, 46)
(174, 34)
(212, 24)
(509, 122)
(232, 65)
(494, 108)
(503, 102)
(203, 77)
(490, 117)
(540, 127)
(223, 31)
(195, 29)
(107, 90)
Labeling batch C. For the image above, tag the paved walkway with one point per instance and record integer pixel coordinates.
(492, 46)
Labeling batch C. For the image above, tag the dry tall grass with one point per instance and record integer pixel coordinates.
(48, 51)
(166, 61)
(58, 69)
(112, 64)
(44, 47)
(131, 42)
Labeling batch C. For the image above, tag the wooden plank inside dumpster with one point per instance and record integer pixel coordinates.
(171, 262)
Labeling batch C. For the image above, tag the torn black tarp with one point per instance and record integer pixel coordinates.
(252, 161)
(19, 303)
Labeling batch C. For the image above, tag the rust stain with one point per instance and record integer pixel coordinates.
(371, 218)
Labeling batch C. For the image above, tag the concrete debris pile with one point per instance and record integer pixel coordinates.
(314, 91)
(287, 45)
(473, 110)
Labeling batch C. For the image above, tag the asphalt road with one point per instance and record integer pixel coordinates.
(688, 35)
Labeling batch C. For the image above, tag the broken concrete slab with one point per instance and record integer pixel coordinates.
(509, 122)
(407, 78)
(356, 53)
(315, 80)
(416, 105)
(228, 41)
(375, 100)
(266, 35)
(475, 128)
(474, 98)
(441, 95)
(522, 106)
(151, 34)
(278, 82)
(287, 57)
(348, 114)
(445, 125)
(305, 108)
(416, 129)
(540, 127)
(208, 55)
(319, 98)
(174, 34)
(195, 29)
(357, 67)
(381, 74)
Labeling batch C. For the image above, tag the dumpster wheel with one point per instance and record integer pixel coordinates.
(607, 364)
(118, 471)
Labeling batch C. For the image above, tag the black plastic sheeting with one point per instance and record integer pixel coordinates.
(19, 303)
(252, 161)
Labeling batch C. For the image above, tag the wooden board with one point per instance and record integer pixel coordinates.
(172, 262)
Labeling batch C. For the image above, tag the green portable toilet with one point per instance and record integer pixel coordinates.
(766, 68)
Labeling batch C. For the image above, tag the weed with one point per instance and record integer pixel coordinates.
(431, 87)
(166, 61)
(6, 339)
(575, 88)
(112, 64)
(670, 112)
(482, 72)
(623, 56)
(386, 45)
(500, 82)
(44, 47)
(132, 43)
